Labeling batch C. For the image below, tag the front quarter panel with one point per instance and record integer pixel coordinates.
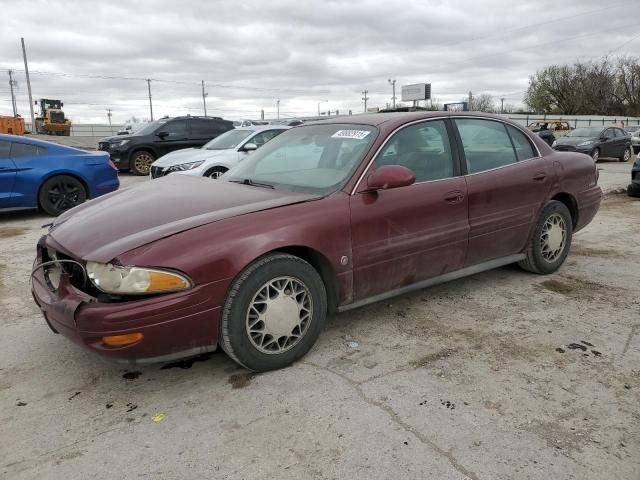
(218, 252)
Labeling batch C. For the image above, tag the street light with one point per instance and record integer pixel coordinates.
(323, 101)
(393, 85)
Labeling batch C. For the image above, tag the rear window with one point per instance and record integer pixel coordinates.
(24, 150)
(5, 149)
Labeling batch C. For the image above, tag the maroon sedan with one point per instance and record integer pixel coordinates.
(326, 217)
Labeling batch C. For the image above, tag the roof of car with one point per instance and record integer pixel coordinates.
(377, 119)
(258, 128)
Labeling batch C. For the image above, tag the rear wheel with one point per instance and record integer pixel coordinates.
(274, 313)
(215, 172)
(61, 193)
(141, 162)
(551, 240)
(595, 154)
(626, 155)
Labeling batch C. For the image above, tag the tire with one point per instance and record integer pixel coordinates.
(215, 172)
(244, 332)
(626, 155)
(541, 260)
(141, 162)
(595, 155)
(60, 193)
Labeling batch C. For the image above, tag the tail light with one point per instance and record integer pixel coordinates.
(112, 165)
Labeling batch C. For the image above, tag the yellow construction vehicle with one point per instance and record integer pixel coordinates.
(51, 120)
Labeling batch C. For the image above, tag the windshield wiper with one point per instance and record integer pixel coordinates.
(248, 181)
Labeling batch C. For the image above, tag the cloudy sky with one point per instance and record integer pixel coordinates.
(96, 55)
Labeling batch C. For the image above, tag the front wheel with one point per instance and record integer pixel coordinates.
(595, 155)
(626, 155)
(551, 240)
(141, 162)
(61, 193)
(274, 313)
(215, 172)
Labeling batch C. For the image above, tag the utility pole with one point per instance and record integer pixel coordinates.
(204, 99)
(109, 117)
(13, 83)
(278, 107)
(470, 102)
(150, 104)
(365, 98)
(393, 86)
(502, 105)
(26, 71)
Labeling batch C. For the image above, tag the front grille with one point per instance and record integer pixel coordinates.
(157, 172)
(103, 146)
(56, 117)
(565, 148)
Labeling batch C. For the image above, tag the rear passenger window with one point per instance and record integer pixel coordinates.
(5, 148)
(486, 144)
(521, 143)
(423, 148)
(23, 150)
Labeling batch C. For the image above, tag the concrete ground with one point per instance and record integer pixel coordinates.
(503, 375)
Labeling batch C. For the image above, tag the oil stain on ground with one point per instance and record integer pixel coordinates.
(131, 375)
(557, 287)
(8, 232)
(240, 380)
(187, 362)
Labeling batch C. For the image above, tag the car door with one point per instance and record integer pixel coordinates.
(507, 181)
(622, 139)
(608, 144)
(27, 159)
(7, 174)
(203, 130)
(404, 235)
(173, 135)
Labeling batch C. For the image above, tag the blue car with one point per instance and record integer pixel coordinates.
(52, 177)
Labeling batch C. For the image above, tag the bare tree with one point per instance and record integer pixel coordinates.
(483, 103)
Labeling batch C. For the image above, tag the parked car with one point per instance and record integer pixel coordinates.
(139, 150)
(326, 217)
(634, 187)
(130, 128)
(598, 142)
(217, 156)
(634, 132)
(52, 177)
(549, 130)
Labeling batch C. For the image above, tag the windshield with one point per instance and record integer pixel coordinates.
(151, 127)
(585, 132)
(311, 159)
(227, 140)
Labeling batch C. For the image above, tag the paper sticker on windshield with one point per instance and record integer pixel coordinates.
(355, 134)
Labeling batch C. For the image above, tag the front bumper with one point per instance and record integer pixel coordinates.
(173, 325)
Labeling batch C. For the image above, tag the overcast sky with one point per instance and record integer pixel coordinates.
(251, 53)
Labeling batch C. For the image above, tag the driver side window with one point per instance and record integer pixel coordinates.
(423, 148)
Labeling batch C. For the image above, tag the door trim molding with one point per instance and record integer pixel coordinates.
(447, 277)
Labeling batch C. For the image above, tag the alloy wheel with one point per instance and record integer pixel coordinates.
(279, 315)
(143, 163)
(595, 155)
(63, 195)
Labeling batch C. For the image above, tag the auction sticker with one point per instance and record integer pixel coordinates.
(355, 134)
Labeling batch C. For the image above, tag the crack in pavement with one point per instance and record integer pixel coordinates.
(628, 342)
(395, 418)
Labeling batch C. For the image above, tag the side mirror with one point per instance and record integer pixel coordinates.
(390, 176)
(250, 147)
(604, 138)
(162, 135)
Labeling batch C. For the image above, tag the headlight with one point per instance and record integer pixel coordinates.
(584, 144)
(134, 280)
(185, 166)
(119, 143)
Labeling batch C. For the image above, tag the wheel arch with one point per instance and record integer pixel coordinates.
(50, 175)
(210, 168)
(570, 202)
(320, 263)
(138, 148)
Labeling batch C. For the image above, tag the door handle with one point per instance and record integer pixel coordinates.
(539, 177)
(454, 197)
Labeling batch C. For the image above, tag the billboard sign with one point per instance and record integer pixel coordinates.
(416, 91)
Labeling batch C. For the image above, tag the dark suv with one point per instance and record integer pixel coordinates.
(138, 151)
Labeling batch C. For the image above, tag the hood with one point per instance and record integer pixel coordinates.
(188, 155)
(574, 140)
(108, 226)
